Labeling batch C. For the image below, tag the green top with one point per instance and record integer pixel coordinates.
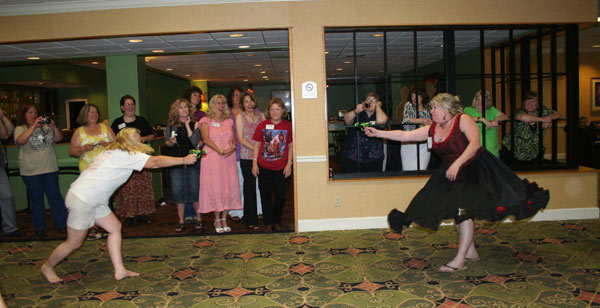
(491, 133)
(526, 137)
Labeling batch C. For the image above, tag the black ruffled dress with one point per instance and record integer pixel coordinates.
(484, 188)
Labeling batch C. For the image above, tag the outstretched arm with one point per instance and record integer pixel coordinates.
(419, 134)
(162, 161)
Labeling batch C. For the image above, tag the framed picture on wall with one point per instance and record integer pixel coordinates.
(73, 106)
(285, 97)
(595, 94)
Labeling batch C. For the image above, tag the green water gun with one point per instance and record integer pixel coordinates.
(199, 153)
(363, 125)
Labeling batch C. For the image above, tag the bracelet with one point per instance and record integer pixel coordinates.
(183, 160)
(254, 159)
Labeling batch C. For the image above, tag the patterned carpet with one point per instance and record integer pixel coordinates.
(547, 264)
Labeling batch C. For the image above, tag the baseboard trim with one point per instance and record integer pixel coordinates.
(379, 222)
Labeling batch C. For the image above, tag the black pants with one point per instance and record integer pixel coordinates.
(271, 184)
(249, 191)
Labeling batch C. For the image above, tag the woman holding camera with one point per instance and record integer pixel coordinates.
(361, 153)
(35, 138)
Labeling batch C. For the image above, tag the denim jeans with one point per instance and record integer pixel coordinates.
(37, 186)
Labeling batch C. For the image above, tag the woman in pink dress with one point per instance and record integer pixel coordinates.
(219, 181)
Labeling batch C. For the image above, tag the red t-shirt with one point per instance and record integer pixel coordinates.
(274, 140)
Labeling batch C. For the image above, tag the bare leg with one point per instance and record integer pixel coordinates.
(224, 218)
(197, 208)
(466, 229)
(181, 211)
(112, 225)
(218, 224)
(2, 303)
(75, 239)
(472, 254)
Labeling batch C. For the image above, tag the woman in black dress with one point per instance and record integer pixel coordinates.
(470, 183)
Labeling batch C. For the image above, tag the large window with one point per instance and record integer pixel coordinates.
(404, 65)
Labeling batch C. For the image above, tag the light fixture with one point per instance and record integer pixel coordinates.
(377, 35)
(339, 69)
(327, 52)
(245, 80)
(262, 72)
(258, 65)
(169, 69)
(596, 46)
(95, 62)
(236, 35)
(33, 58)
(347, 62)
(187, 75)
(250, 55)
(265, 77)
(136, 41)
(244, 46)
(40, 83)
(157, 51)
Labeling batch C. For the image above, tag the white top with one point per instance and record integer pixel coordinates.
(110, 170)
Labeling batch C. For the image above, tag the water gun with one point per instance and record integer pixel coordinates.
(199, 153)
(363, 125)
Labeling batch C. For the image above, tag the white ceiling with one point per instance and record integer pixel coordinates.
(216, 56)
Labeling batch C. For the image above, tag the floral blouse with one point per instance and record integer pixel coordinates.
(526, 137)
(410, 112)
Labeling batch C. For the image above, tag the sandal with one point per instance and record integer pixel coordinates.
(180, 228)
(218, 229)
(452, 269)
(235, 218)
(198, 225)
(225, 228)
(253, 227)
(472, 259)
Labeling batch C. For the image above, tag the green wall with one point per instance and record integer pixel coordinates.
(161, 92)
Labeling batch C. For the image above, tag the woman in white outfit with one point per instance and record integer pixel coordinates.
(416, 114)
(87, 198)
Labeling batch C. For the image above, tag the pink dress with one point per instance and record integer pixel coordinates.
(219, 183)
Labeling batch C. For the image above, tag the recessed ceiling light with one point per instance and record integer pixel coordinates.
(347, 62)
(265, 77)
(187, 75)
(257, 65)
(169, 69)
(339, 69)
(377, 35)
(135, 41)
(33, 58)
(244, 46)
(245, 79)
(95, 62)
(327, 52)
(147, 60)
(158, 50)
(262, 72)
(250, 55)
(40, 83)
(236, 35)
(596, 46)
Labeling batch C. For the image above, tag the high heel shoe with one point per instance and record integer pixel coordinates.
(225, 228)
(218, 229)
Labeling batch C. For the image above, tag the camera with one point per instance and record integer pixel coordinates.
(45, 120)
(368, 105)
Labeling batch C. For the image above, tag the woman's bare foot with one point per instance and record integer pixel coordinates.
(125, 274)
(50, 274)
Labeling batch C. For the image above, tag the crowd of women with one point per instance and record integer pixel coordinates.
(364, 154)
(240, 144)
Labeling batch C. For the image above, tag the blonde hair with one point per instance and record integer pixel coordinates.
(212, 106)
(488, 99)
(126, 141)
(174, 111)
(447, 102)
(277, 101)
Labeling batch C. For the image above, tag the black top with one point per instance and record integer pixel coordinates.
(184, 144)
(139, 123)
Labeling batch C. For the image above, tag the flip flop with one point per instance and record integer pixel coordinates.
(472, 259)
(453, 269)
